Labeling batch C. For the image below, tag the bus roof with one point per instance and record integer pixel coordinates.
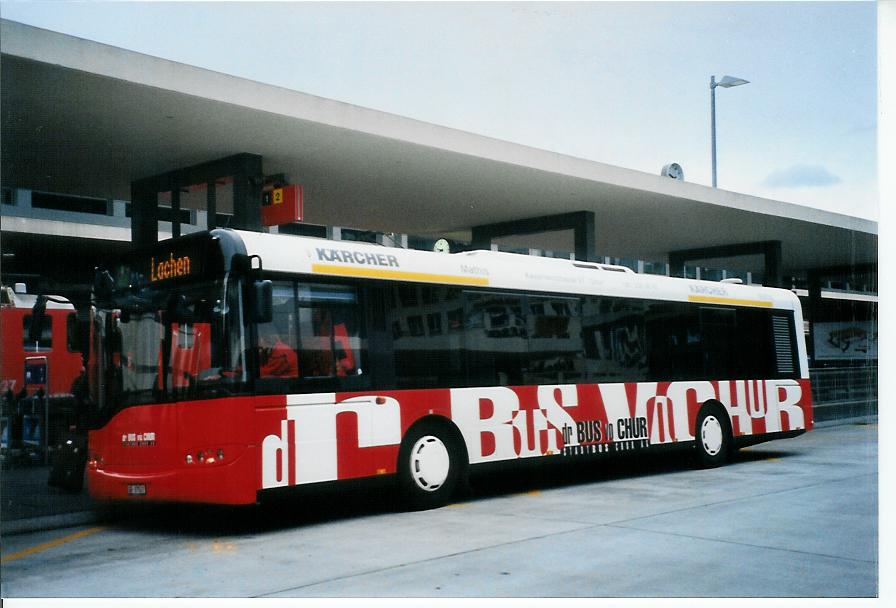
(496, 270)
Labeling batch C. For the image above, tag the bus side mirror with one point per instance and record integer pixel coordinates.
(263, 301)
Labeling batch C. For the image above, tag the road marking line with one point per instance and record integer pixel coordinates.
(49, 545)
(219, 546)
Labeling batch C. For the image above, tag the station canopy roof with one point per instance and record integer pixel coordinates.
(83, 118)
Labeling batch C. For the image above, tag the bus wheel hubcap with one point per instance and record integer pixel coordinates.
(429, 463)
(711, 435)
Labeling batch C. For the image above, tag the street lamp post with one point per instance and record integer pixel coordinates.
(726, 82)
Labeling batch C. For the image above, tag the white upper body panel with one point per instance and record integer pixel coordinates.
(496, 270)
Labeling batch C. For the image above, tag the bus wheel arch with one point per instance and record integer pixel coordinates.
(713, 437)
(432, 463)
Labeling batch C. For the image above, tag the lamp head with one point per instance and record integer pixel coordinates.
(731, 81)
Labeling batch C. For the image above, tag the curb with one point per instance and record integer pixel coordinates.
(845, 421)
(49, 522)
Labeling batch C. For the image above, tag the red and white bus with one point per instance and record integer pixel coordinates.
(228, 364)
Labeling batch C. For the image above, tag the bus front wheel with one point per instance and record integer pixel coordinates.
(429, 466)
(713, 436)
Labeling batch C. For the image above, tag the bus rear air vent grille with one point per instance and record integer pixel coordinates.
(783, 344)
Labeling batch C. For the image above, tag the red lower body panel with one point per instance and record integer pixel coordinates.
(172, 452)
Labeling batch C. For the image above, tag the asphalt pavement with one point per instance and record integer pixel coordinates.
(791, 518)
(28, 503)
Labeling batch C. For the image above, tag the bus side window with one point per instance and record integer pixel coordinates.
(721, 350)
(330, 340)
(555, 341)
(616, 340)
(277, 340)
(496, 348)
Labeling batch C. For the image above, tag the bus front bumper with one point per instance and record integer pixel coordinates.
(234, 483)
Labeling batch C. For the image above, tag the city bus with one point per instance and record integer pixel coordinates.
(226, 365)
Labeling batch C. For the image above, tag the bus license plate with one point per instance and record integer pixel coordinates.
(137, 489)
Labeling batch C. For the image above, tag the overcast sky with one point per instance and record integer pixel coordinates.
(621, 83)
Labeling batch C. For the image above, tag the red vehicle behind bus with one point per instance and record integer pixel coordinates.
(52, 354)
(58, 341)
(417, 365)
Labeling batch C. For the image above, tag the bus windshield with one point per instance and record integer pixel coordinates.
(163, 344)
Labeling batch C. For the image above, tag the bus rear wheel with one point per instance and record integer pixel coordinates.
(429, 466)
(713, 436)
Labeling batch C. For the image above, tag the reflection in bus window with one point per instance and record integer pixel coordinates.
(330, 342)
(615, 348)
(316, 345)
(415, 325)
(434, 322)
(190, 352)
(421, 360)
(277, 339)
(555, 341)
(345, 341)
(496, 342)
(164, 346)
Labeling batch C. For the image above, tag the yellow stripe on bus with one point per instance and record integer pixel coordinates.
(731, 301)
(381, 273)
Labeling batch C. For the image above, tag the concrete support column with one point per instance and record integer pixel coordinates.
(812, 308)
(144, 214)
(770, 250)
(211, 204)
(581, 222)
(248, 179)
(175, 212)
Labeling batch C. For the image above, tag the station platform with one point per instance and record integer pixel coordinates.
(29, 503)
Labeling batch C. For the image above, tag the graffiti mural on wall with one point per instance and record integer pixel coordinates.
(846, 340)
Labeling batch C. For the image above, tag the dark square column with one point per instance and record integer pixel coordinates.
(581, 222)
(248, 179)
